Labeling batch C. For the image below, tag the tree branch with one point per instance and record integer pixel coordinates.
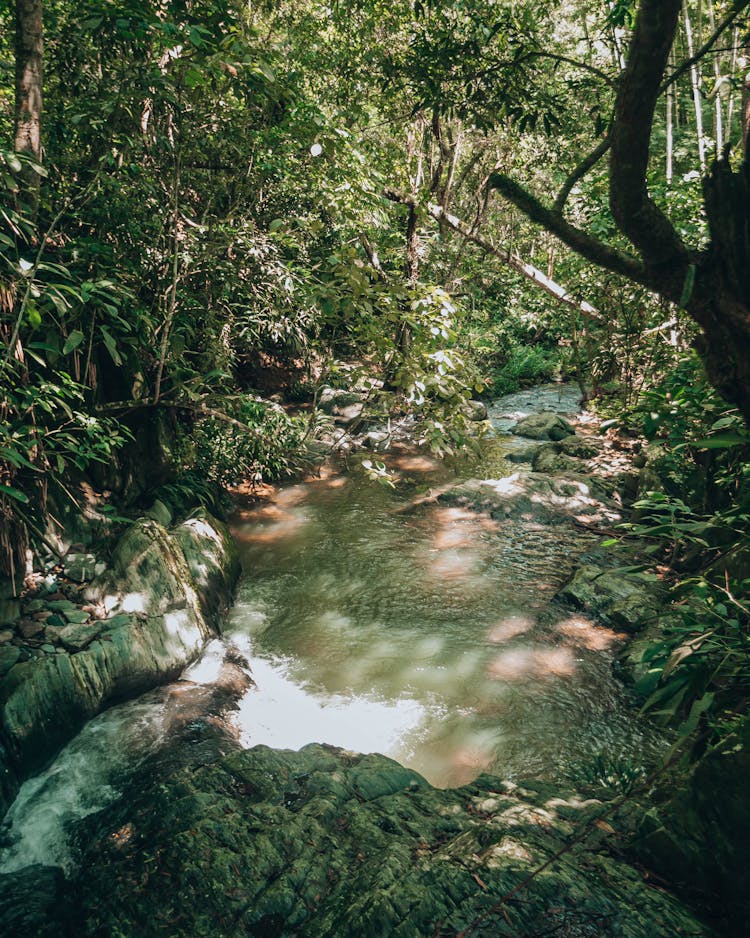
(740, 6)
(604, 255)
(637, 216)
(586, 164)
(513, 260)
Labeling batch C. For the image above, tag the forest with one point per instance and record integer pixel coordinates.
(241, 242)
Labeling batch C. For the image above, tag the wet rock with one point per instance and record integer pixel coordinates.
(533, 495)
(323, 843)
(625, 600)
(6, 635)
(29, 901)
(9, 655)
(48, 649)
(76, 637)
(44, 703)
(30, 628)
(544, 426)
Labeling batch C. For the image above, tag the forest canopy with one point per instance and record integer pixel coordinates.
(450, 197)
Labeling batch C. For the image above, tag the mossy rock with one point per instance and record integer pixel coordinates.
(324, 843)
(544, 426)
(626, 600)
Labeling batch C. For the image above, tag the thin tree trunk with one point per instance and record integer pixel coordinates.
(695, 84)
(29, 48)
(670, 128)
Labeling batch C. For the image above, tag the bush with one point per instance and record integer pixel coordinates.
(258, 442)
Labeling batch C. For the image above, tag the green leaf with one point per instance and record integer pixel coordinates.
(723, 441)
(14, 493)
(73, 341)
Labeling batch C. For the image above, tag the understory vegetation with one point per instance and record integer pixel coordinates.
(222, 208)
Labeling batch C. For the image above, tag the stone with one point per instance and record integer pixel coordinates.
(629, 601)
(474, 410)
(10, 611)
(9, 655)
(6, 635)
(170, 615)
(160, 512)
(76, 637)
(75, 616)
(48, 649)
(544, 426)
(30, 628)
(535, 496)
(34, 605)
(80, 567)
(323, 843)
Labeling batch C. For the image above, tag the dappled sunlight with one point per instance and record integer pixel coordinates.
(416, 463)
(584, 632)
(521, 664)
(273, 526)
(132, 602)
(508, 628)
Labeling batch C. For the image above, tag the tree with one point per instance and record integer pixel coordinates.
(711, 283)
(29, 48)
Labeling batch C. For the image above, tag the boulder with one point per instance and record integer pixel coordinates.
(474, 410)
(324, 843)
(548, 458)
(535, 496)
(212, 559)
(544, 426)
(169, 591)
(625, 600)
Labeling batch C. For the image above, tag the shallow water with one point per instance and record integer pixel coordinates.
(381, 622)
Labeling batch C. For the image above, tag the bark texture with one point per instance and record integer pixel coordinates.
(29, 49)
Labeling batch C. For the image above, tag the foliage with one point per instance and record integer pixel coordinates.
(262, 445)
(697, 668)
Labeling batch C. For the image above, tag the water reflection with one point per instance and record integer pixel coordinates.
(384, 623)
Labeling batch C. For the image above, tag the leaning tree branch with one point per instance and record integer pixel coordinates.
(598, 252)
(512, 260)
(740, 7)
(586, 164)
(637, 216)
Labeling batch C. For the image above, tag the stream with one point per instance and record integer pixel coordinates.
(381, 620)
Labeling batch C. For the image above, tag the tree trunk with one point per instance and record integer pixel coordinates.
(721, 305)
(29, 46)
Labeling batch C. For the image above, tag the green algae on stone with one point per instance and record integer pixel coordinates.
(323, 843)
